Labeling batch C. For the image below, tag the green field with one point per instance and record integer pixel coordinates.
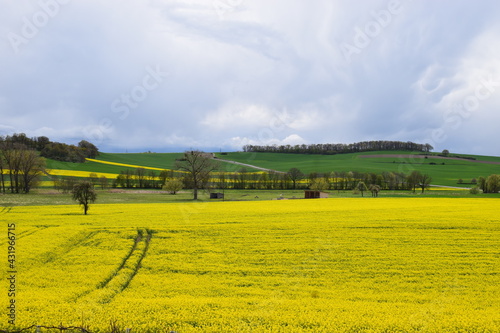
(148, 160)
(444, 171)
(153, 160)
(87, 166)
(447, 174)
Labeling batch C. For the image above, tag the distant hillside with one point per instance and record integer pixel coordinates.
(132, 160)
(444, 171)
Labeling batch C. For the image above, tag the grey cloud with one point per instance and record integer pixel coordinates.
(224, 70)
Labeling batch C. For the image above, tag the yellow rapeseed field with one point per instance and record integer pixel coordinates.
(329, 265)
(77, 173)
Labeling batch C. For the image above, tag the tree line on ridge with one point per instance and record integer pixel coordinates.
(340, 148)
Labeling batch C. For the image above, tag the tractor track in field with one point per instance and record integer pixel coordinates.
(121, 277)
(5, 210)
(138, 265)
(26, 233)
(31, 231)
(66, 247)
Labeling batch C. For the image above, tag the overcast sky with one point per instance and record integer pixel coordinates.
(165, 75)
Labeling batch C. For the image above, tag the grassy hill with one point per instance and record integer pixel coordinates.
(114, 163)
(444, 171)
(152, 160)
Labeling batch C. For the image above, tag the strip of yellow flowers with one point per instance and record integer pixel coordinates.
(77, 173)
(126, 165)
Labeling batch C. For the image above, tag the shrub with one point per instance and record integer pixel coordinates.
(474, 190)
(173, 186)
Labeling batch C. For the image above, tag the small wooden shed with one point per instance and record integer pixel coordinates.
(310, 194)
(217, 195)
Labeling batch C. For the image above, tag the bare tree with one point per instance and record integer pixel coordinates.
(151, 180)
(104, 182)
(374, 189)
(85, 195)
(127, 178)
(328, 180)
(31, 168)
(424, 181)
(264, 181)
(11, 155)
(273, 180)
(295, 175)
(361, 187)
(241, 179)
(413, 180)
(198, 166)
(2, 180)
(24, 166)
(140, 176)
(222, 180)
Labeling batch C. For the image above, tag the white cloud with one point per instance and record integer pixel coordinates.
(465, 95)
(238, 142)
(238, 115)
(293, 139)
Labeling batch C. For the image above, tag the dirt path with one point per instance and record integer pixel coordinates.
(446, 186)
(249, 165)
(428, 156)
